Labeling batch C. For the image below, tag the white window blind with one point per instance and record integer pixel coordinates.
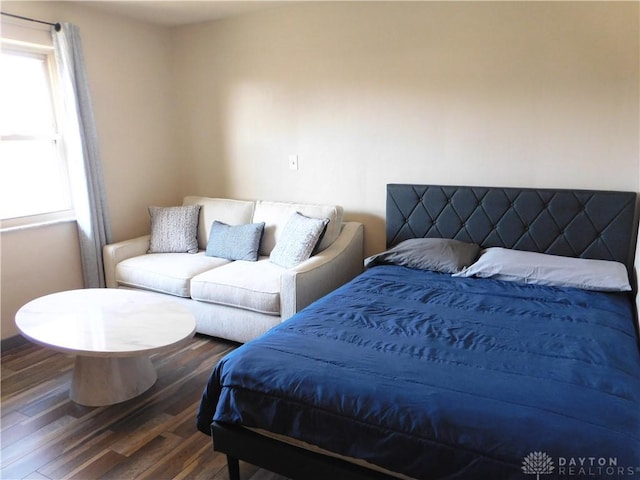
(34, 182)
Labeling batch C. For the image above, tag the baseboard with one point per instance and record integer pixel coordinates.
(12, 342)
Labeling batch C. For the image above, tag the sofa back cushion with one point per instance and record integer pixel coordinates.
(275, 215)
(231, 212)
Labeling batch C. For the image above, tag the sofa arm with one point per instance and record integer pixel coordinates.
(114, 253)
(324, 272)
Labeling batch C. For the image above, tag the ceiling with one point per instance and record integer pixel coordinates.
(173, 13)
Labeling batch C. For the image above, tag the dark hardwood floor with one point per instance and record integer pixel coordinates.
(45, 435)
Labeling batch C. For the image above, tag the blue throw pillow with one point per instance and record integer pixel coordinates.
(235, 242)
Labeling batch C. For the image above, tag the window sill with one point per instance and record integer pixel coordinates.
(38, 221)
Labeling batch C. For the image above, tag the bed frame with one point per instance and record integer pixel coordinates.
(575, 223)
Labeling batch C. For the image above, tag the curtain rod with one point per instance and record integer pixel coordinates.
(56, 25)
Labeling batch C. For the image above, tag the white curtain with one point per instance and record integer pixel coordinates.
(80, 143)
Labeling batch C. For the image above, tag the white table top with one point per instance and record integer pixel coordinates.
(106, 322)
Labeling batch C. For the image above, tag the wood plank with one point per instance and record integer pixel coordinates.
(46, 436)
(204, 466)
(35, 424)
(174, 462)
(47, 433)
(43, 388)
(95, 467)
(145, 458)
(18, 459)
(36, 476)
(71, 459)
(142, 435)
(9, 419)
(18, 359)
(185, 424)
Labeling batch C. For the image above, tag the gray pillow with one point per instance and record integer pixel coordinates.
(235, 242)
(174, 229)
(436, 254)
(543, 269)
(298, 240)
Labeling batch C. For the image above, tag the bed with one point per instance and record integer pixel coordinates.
(415, 372)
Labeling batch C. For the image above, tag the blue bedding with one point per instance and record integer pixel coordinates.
(437, 377)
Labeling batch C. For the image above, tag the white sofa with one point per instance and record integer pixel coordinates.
(240, 300)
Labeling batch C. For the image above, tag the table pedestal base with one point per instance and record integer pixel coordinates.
(99, 381)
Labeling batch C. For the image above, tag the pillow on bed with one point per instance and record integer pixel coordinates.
(437, 254)
(543, 269)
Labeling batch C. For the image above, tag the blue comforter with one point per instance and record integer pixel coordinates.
(440, 377)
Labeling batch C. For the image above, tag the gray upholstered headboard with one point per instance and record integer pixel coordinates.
(575, 223)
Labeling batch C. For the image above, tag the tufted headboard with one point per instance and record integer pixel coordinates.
(575, 223)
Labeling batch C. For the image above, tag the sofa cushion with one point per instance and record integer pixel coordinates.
(165, 272)
(235, 242)
(174, 229)
(249, 285)
(275, 215)
(298, 240)
(231, 212)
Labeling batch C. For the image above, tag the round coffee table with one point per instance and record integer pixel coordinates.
(112, 332)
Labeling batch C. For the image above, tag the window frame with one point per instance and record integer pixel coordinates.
(46, 53)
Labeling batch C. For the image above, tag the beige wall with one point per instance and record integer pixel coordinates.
(541, 94)
(129, 69)
(508, 93)
(35, 263)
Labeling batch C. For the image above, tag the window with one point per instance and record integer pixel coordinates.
(34, 185)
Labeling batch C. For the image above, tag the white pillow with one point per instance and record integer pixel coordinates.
(275, 215)
(542, 269)
(300, 237)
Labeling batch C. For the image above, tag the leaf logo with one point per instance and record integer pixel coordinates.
(537, 463)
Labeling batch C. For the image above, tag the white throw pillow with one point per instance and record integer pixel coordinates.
(275, 215)
(298, 241)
